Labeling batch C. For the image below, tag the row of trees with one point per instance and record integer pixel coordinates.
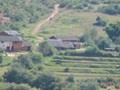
(111, 9)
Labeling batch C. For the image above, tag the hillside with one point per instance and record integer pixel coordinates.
(93, 64)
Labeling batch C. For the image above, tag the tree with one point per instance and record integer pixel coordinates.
(110, 9)
(92, 51)
(70, 78)
(46, 49)
(36, 58)
(100, 22)
(113, 31)
(103, 43)
(46, 82)
(25, 62)
(89, 37)
(88, 86)
(19, 75)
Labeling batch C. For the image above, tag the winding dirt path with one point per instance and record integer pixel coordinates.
(39, 25)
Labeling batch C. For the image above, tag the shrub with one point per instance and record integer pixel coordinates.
(103, 43)
(20, 87)
(19, 76)
(100, 22)
(113, 31)
(63, 4)
(46, 82)
(36, 58)
(117, 48)
(92, 51)
(112, 10)
(46, 49)
(89, 85)
(70, 78)
(66, 69)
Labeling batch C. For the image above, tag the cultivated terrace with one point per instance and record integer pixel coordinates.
(59, 44)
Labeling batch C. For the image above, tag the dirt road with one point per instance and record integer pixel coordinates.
(39, 25)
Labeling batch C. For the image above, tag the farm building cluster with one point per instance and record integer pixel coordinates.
(12, 41)
(64, 42)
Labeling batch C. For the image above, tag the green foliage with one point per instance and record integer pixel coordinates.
(19, 75)
(22, 12)
(70, 78)
(100, 22)
(20, 87)
(103, 43)
(29, 61)
(36, 58)
(89, 85)
(25, 62)
(117, 48)
(92, 51)
(46, 82)
(66, 69)
(111, 9)
(46, 49)
(113, 31)
(89, 37)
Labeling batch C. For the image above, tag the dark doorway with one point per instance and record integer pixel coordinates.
(12, 49)
(8, 48)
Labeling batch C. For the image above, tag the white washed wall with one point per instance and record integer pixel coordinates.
(4, 45)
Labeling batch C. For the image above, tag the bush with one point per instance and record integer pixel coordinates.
(89, 86)
(46, 82)
(66, 69)
(70, 78)
(117, 48)
(63, 4)
(20, 87)
(19, 76)
(25, 62)
(92, 51)
(113, 31)
(46, 49)
(112, 10)
(100, 22)
(103, 43)
(36, 58)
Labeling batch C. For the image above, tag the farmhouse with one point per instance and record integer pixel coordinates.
(12, 41)
(64, 42)
(66, 38)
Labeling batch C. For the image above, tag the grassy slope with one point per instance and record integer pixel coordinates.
(72, 22)
(65, 24)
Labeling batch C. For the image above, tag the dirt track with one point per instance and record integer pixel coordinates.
(39, 25)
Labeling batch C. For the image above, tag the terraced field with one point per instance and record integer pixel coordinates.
(84, 68)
